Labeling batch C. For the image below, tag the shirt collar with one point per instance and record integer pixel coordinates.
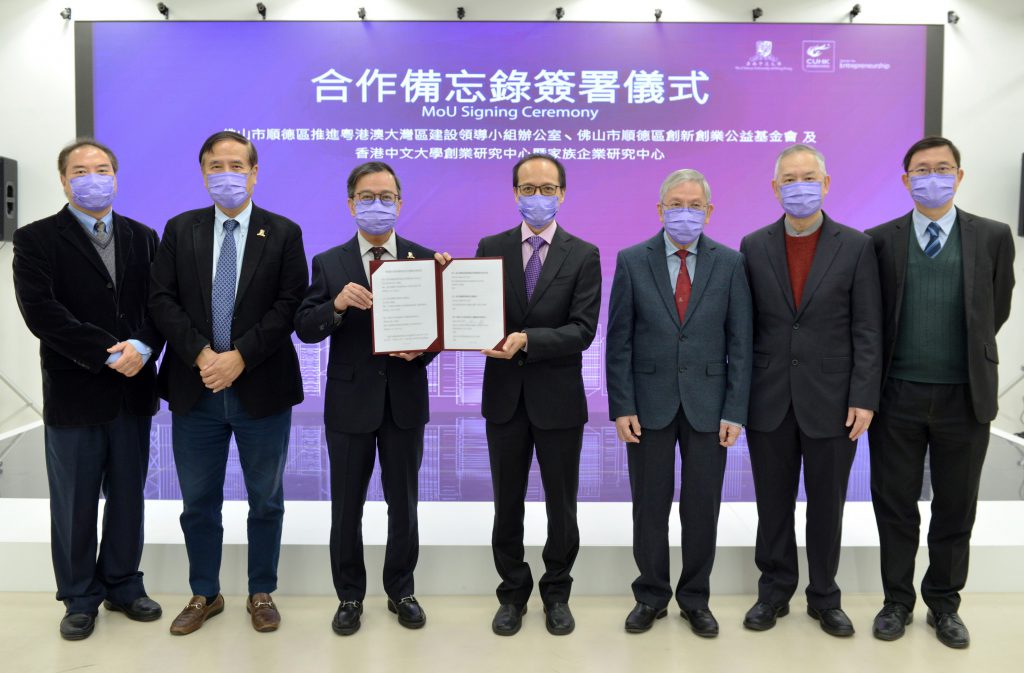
(945, 222)
(670, 246)
(790, 231)
(88, 221)
(390, 245)
(548, 233)
(219, 218)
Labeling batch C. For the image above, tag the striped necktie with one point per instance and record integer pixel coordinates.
(934, 247)
(223, 298)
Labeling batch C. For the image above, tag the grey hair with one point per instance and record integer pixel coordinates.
(685, 175)
(793, 149)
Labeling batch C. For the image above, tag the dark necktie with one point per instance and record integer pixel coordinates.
(682, 285)
(934, 247)
(378, 252)
(223, 299)
(101, 229)
(532, 270)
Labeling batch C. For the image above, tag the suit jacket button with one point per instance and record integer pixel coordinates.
(382, 373)
(796, 362)
(519, 362)
(682, 337)
(682, 369)
(796, 325)
(110, 286)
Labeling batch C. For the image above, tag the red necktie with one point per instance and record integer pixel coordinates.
(682, 285)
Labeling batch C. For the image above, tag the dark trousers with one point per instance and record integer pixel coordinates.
(81, 463)
(652, 483)
(915, 418)
(201, 438)
(352, 458)
(775, 459)
(510, 446)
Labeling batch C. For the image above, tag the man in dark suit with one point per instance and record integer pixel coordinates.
(678, 369)
(374, 403)
(227, 281)
(533, 392)
(947, 278)
(81, 278)
(816, 377)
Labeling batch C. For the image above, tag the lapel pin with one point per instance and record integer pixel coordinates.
(411, 256)
(262, 233)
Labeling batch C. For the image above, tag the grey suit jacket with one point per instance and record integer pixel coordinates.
(655, 363)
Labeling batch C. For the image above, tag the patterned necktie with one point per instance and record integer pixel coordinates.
(378, 252)
(101, 229)
(223, 299)
(532, 270)
(682, 285)
(933, 246)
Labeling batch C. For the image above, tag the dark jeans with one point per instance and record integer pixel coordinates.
(915, 418)
(201, 439)
(82, 463)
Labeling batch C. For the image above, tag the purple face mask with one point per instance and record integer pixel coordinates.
(683, 225)
(801, 199)
(93, 192)
(932, 191)
(538, 210)
(228, 190)
(376, 218)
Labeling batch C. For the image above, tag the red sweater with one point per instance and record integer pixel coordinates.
(799, 255)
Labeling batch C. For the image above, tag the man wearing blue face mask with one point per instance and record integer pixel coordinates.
(227, 281)
(816, 377)
(947, 279)
(533, 393)
(678, 369)
(81, 278)
(374, 404)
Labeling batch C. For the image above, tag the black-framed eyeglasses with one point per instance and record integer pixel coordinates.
(387, 198)
(544, 190)
(678, 204)
(941, 169)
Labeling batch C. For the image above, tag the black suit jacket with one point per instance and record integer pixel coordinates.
(834, 336)
(70, 302)
(357, 380)
(559, 320)
(270, 288)
(988, 285)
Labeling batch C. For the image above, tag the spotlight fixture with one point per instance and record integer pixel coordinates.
(262, 9)
(559, 13)
(757, 13)
(66, 13)
(460, 12)
(951, 17)
(164, 10)
(657, 15)
(854, 12)
(362, 14)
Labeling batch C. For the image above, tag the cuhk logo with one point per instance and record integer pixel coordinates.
(819, 55)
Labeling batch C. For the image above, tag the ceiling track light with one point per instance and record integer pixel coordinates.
(854, 11)
(460, 13)
(757, 13)
(952, 17)
(361, 14)
(66, 13)
(262, 10)
(164, 10)
(657, 15)
(559, 13)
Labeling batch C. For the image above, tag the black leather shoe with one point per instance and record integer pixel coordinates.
(702, 622)
(950, 629)
(346, 619)
(77, 626)
(641, 618)
(762, 616)
(508, 619)
(833, 621)
(559, 620)
(142, 609)
(891, 621)
(410, 614)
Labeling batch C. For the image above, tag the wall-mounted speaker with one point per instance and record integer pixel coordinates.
(8, 198)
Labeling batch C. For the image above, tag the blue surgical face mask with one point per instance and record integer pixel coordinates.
(376, 218)
(228, 190)
(538, 210)
(93, 191)
(683, 225)
(801, 199)
(932, 191)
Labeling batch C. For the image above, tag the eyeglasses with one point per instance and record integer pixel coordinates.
(677, 204)
(941, 169)
(387, 198)
(545, 190)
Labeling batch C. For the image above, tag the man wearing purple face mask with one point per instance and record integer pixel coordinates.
(816, 376)
(81, 278)
(678, 369)
(227, 281)
(947, 278)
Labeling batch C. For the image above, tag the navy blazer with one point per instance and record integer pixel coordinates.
(359, 382)
(70, 302)
(655, 363)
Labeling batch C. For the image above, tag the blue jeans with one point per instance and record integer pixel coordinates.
(201, 438)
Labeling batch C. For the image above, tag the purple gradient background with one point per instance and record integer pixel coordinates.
(161, 88)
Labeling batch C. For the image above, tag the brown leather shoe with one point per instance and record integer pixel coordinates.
(195, 613)
(265, 616)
